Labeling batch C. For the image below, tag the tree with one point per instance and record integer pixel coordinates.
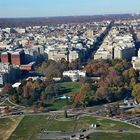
(15, 98)
(130, 76)
(26, 91)
(8, 89)
(65, 114)
(133, 81)
(136, 92)
(102, 93)
(79, 99)
(52, 69)
(76, 64)
(119, 67)
(52, 90)
(86, 88)
(98, 67)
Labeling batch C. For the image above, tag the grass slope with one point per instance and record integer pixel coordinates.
(30, 127)
(116, 136)
(68, 87)
(7, 126)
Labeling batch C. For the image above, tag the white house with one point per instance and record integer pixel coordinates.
(74, 74)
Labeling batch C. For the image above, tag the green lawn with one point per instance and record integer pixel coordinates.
(65, 88)
(63, 125)
(58, 104)
(7, 125)
(68, 87)
(114, 136)
(30, 127)
(107, 123)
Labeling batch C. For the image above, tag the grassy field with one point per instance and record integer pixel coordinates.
(7, 126)
(85, 122)
(30, 127)
(110, 136)
(58, 104)
(107, 124)
(68, 88)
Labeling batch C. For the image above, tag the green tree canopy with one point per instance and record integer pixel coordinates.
(136, 92)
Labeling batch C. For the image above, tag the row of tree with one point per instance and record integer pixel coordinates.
(117, 80)
(52, 68)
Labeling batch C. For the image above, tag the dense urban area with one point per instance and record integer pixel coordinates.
(69, 79)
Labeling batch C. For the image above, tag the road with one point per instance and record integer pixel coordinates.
(66, 135)
(63, 135)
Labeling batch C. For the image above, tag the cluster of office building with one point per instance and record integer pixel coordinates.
(118, 44)
(23, 48)
(75, 41)
(136, 29)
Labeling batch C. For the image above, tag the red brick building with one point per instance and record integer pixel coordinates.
(18, 57)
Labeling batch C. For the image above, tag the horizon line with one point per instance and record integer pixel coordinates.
(109, 14)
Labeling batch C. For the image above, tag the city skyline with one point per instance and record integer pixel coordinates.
(46, 8)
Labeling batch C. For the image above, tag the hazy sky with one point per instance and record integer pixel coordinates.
(45, 8)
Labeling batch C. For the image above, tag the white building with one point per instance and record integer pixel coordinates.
(73, 55)
(74, 74)
(103, 55)
(136, 61)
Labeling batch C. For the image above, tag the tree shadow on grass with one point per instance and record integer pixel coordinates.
(64, 90)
